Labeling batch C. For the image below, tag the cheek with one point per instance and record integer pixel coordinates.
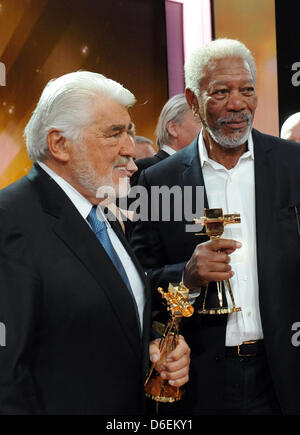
(253, 104)
(104, 162)
(212, 112)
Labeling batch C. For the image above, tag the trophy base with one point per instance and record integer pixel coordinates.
(225, 310)
(160, 391)
(163, 399)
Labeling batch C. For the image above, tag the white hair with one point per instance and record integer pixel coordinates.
(289, 124)
(143, 139)
(66, 105)
(209, 53)
(173, 110)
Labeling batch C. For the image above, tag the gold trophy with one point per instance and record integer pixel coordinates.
(157, 388)
(214, 220)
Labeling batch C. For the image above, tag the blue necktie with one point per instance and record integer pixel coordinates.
(99, 228)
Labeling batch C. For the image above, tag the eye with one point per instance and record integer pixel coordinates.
(117, 133)
(220, 93)
(249, 90)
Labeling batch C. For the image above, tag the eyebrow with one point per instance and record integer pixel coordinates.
(119, 127)
(225, 83)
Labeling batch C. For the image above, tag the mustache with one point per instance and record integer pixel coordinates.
(121, 161)
(235, 117)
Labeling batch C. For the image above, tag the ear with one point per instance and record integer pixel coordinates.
(59, 146)
(192, 101)
(172, 129)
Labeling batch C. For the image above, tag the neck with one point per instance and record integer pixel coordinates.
(173, 145)
(227, 157)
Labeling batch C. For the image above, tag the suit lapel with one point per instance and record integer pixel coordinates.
(77, 235)
(146, 286)
(264, 195)
(129, 250)
(117, 229)
(192, 176)
(161, 155)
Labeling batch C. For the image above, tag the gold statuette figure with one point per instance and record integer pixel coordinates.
(214, 222)
(176, 298)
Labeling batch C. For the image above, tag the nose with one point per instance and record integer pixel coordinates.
(128, 147)
(131, 167)
(236, 102)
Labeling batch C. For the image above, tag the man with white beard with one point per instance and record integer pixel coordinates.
(243, 362)
(74, 300)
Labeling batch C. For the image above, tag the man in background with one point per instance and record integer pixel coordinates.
(290, 129)
(177, 127)
(143, 147)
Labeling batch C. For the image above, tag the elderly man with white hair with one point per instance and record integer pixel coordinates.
(74, 300)
(290, 129)
(246, 361)
(176, 128)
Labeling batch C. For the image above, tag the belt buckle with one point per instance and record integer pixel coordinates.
(245, 354)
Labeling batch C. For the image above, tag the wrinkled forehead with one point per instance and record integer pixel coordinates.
(225, 69)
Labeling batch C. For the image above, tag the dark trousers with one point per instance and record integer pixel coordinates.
(248, 387)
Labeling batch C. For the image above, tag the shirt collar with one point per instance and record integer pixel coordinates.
(169, 150)
(203, 151)
(80, 202)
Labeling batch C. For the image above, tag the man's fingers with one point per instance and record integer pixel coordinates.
(178, 378)
(175, 368)
(224, 244)
(180, 364)
(220, 276)
(181, 349)
(154, 353)
(179, 382)
(219, 257)
(218, 267)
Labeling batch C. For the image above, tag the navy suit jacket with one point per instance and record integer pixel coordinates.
(146, 163)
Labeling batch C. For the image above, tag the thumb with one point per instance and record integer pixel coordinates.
(154, 353)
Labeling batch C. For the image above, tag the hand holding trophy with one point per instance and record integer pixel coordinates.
(214, 220)
(156, 388)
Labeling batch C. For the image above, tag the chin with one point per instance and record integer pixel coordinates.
(123, 187)
(230, 141)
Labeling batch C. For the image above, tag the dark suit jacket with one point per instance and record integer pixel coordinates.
(164, 248)
(73, 344)
(146, 163)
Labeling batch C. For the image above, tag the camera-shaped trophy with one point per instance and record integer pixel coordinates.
(214, 221)
(176, 298)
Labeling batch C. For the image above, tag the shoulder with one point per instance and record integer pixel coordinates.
(16, 193)
(285, 150)
(146, 162)
(274, 141)
(175, 164)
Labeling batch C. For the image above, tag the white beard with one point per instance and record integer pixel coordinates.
(229, 142)
(234, 141)
(100, 187)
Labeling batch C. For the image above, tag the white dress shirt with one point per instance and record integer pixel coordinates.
(234, 191)
(169, 150)
(84, 207)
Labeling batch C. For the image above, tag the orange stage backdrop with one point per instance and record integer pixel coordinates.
(253, 23)
(43, 39)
